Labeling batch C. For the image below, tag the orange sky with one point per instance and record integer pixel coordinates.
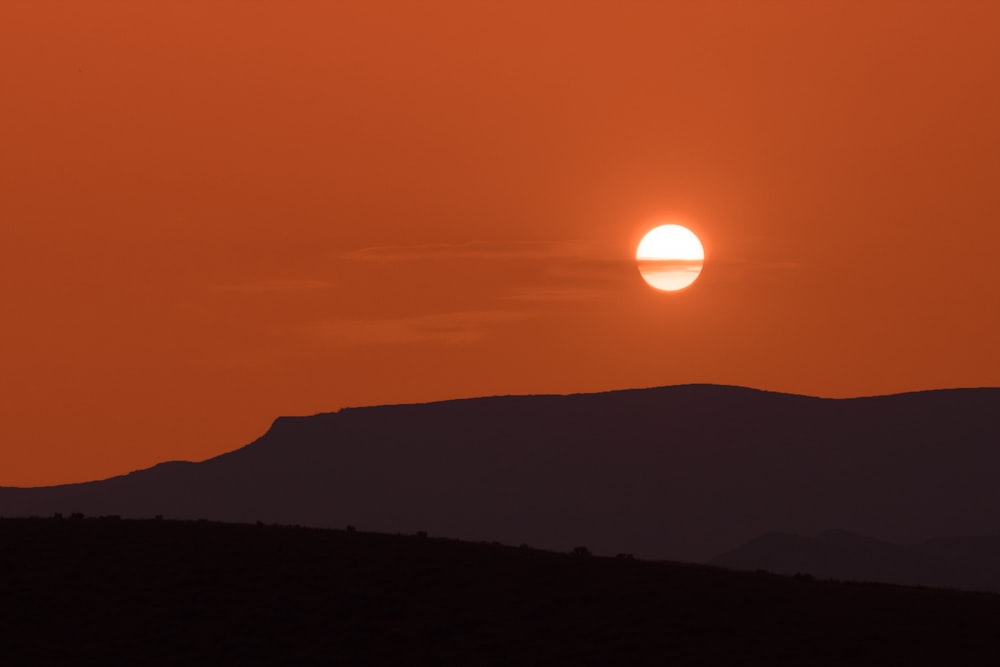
(214, 213)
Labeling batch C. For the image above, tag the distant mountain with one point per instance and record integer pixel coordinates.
(961, 562)
(683, 472)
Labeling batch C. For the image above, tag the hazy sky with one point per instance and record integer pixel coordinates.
(214, 213)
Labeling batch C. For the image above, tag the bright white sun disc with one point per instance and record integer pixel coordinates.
(670, 257)
(670, 242)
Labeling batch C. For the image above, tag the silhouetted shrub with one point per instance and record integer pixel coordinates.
(804, 577)
(422, 534)
(77, 516)
(158, 517)
(57, 515)
(625, 556)
(580, 551)
(350, 528)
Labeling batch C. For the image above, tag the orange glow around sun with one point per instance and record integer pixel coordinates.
(216, 213)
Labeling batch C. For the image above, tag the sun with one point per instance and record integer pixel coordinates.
(670, 257)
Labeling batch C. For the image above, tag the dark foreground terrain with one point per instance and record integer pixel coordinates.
(106, 591)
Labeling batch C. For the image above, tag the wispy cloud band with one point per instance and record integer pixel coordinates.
(475, 250)
(276, 286)
(454, 327)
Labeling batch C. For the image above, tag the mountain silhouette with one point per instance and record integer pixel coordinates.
(684, 472)
(971, 563)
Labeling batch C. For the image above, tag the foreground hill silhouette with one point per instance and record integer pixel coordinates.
(972, 563)
(104, 592)
(684, 473)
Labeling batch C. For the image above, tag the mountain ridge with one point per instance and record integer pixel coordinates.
(281, 420)
(683, 472)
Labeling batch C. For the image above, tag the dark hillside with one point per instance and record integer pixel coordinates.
(972, 563)
(103, 591)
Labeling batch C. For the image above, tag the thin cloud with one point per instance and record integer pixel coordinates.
(748, 271)
(475, 250)
(455, 327)
(545, 294)
(611, 271)
(277, 286)
(770, 265)
(607, 271)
